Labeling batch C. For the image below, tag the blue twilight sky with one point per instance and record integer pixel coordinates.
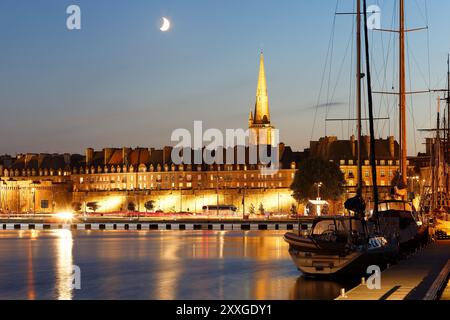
(119, 81)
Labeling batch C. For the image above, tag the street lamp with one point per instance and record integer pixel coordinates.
(33, 191)
(218, 178)
(319, 185)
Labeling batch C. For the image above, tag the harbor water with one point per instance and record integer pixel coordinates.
(193, 265)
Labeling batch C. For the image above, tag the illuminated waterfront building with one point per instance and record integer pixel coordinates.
(117, 177)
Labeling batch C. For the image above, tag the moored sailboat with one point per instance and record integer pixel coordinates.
(349, 244)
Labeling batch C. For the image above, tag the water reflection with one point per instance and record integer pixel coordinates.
(309, 288)
(31, 293)
(168, 269)
(64, 264)
(154, 265)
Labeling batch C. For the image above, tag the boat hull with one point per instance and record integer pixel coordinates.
(313, 260)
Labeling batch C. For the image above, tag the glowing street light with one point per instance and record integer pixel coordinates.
(319, 185)
(64, 216)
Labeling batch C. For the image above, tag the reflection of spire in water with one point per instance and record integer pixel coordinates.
(221, 235)
(31, 293)
(64, 265)
(169, 268)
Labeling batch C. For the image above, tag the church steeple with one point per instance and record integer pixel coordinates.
(259, 122)
(262, 114)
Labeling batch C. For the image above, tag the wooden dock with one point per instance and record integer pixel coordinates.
(421, 277)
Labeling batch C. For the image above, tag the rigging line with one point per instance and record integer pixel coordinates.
(364, 105)
(420, 70)
(377, 76)
(429, 60)
(377, 72)
(392, 46)
(383, 82)
(323, 73)
(350, 95)
(411, 106)
(330, 68)
(383, 101)
(339, 73)
(419, 9)
(394, 63)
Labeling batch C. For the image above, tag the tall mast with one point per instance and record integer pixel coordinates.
(358, 91)
(402, 95)
(447, 144)
(371, 118)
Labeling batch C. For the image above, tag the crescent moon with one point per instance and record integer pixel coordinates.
(165, 25)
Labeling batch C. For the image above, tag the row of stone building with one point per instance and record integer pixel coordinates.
(113, 177)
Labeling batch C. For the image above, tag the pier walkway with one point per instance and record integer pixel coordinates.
(160, 225)
(420, 277)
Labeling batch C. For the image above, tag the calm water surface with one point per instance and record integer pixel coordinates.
(154, 265)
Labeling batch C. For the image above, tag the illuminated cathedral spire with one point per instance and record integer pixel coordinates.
(259, 121)
(261, 114)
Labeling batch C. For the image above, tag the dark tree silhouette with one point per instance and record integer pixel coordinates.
(150, 205)
(315, 170)
(131, 206)
(94, 206)
(76, 207)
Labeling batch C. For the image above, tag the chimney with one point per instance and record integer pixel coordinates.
(107, 154)
(281, 147)
(89, 156)
(125, 155)
(167, 152)
(391, 147)
(67, 159)
(366, 140)
(353, 145)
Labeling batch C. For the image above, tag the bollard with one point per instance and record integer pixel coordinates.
(343, 295)
(388, 266)
(363, 281)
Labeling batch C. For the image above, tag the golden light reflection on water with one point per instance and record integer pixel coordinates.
(31, 293)
(64, 264)
(164, 265)
(226, 244)
(169, 270)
